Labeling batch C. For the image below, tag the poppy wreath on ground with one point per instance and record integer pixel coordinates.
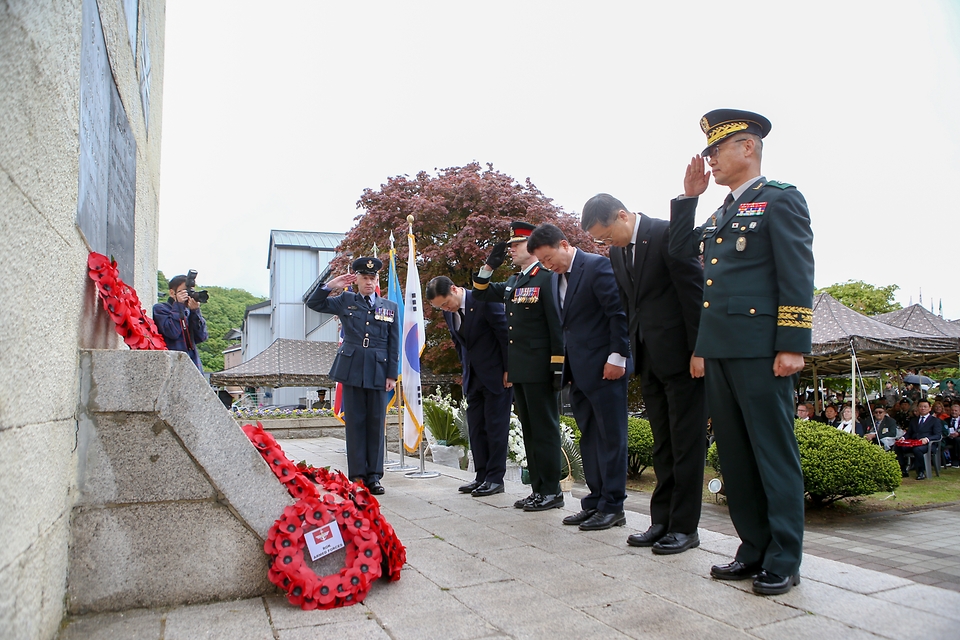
(121, 303)
(367, 535)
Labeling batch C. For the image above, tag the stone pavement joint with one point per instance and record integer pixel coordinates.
(479, 569)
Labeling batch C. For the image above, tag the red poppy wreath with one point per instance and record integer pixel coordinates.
(123, 306)
(372, 546)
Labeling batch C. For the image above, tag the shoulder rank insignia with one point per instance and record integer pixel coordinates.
(752, 209)
(780, 185)
(535, 271)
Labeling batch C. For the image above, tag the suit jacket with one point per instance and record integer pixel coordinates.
(931, 428)
(594, 323)
(533, 327)
(662, 297)
(370, 352)
(758, 270)
(481, 342)
(166, 315)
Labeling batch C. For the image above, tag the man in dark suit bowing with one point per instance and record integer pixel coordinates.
(662, 298)
(479, 332)
(597, 353)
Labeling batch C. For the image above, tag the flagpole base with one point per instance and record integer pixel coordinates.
(405, 467)
(421, 474)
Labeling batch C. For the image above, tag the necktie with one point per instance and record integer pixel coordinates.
(922, 418)
(369, 303)
(728, 201)
(563, 287)
(630, 256)
(458, 320)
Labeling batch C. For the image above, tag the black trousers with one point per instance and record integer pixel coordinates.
(752, 413)
(539, 412)
(364, 412)
(678, 418)
(488, 420)
(602, 419)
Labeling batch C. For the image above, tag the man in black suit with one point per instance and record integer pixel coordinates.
(924, 427)
(662, 298)
(479, 332)
(595, 365)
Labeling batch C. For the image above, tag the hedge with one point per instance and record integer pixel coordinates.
(639, 443)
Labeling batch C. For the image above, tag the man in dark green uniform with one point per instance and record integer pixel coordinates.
(534, 361)
(755, 326)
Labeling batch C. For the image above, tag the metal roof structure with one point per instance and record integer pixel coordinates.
(318, 240)
(916, 318)
(838, 329)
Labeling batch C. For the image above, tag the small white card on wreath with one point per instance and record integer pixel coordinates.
(324, 540)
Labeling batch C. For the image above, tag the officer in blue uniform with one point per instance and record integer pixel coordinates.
(755, 325)
(365, 361)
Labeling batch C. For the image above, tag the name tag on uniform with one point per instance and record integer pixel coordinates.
(525, 295)
(383, 314)
(352, 308)
(752, 209)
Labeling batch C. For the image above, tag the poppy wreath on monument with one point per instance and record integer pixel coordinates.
(121, 303)
(331, 512)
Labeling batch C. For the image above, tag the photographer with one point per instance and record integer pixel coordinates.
(179, 318)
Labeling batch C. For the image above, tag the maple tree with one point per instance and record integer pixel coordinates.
(459, 214)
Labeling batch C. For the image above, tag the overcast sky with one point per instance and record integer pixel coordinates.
(278, 115)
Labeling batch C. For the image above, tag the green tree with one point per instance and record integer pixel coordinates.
(864, 298)
(163, 287)
(223, 312)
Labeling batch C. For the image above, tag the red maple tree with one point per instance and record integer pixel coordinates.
(459, 214)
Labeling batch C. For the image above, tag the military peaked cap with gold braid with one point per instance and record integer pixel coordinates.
(367, 266)
(720, 123)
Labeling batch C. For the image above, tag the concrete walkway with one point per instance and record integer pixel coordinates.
(478, 568)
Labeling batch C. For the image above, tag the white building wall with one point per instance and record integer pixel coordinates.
(50, 307)
(256, 333)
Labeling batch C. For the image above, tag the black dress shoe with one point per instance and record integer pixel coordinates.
(470, 486)
(600, 521)
(544, 502)
(770, 584)
(520, 504)
(676, 543)
(580, 517)
(648, 537)
(921, 475)
(376, 488)
(487, 489)
(736, 570)
(904, 474)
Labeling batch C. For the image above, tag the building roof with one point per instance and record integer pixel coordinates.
(319, 240)
(918, 319)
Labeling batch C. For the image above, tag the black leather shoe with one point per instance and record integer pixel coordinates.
(580, 517)
(770, 584)
(676, 543)
(600, 521)
(470, 486)
(544, 502)
(376, 488)
(921, 476)
(736, 570)
(487, 489)
(904, 474)
(648, 537)
(520, 504)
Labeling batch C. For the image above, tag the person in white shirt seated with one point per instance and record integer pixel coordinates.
(848, 424)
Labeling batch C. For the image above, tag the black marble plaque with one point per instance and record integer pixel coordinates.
(108, 153)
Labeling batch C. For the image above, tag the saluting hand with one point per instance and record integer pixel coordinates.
(342, 282)
(697, 178)
(787, 363)
(497, 256)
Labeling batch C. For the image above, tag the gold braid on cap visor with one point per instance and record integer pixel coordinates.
(724, 130)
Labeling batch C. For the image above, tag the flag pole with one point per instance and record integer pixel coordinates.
(401, 466)
(396, 465)
(414, 297)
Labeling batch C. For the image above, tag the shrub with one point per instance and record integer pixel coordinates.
(639, 443)
(836, 464)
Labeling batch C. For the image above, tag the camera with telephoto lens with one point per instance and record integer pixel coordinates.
(199, 296)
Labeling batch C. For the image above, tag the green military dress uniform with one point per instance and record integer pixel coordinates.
(534, 354)
(757, 301)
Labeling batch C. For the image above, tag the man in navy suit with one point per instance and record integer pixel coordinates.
(926, 428)
(597, 353)
(366, 364)
(479, 332)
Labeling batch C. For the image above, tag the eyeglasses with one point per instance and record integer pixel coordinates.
(713, 150)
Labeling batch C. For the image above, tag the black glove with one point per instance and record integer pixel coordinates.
(497, 256)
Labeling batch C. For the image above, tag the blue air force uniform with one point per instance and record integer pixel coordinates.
(370, 354)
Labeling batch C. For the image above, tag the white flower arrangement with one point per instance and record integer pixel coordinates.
(515, 447)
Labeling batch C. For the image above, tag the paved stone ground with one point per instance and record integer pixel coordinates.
(477, 568)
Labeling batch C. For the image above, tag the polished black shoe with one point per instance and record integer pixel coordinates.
(648, 537)
(676, 543)
(487, 489)
(376, 488)
(904, 474)
(736, 570)
(921, 476)
(600, 521)
(470, 486)
(544, 502)
(520, 504)
(580, 517)
(770, 584)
